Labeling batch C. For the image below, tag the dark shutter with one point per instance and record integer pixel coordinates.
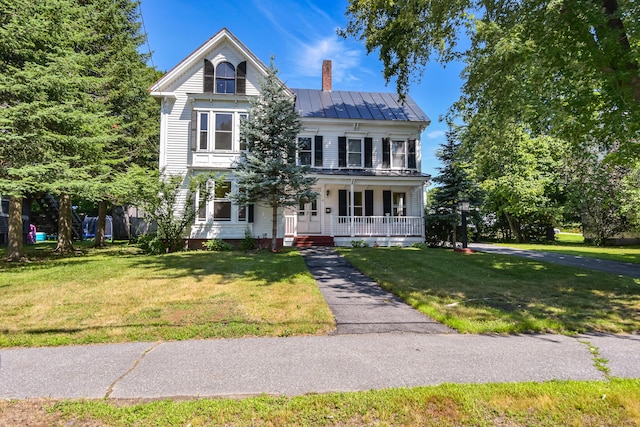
(208, 77)
(241, 78)
(318, 151)
(411, 151)
(250, 212)
(342, 202)
(194, 130)
(342, 151)
(368, 152)
(386, 202)
(386, 153)
(368, 202)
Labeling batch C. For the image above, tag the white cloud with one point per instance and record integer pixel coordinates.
(343, 59)
(435, 134)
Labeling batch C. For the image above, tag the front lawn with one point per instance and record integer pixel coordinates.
(118, 294)
(489, 293)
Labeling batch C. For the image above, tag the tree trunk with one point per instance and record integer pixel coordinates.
(64, 225)
(102, 220)
(274, 227)
(15, 250)
(515, 228)
(121, 226)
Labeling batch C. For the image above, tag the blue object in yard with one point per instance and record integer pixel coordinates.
(89, 225)
(41, 237)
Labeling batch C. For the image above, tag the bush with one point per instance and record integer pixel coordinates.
(359, 244)
(217, 245)
(150, 244)
(420, 245)
(248, 243)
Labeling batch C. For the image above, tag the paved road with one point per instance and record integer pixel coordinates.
(621, 268)
(367, 352)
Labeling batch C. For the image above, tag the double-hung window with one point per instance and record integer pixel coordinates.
(221, 139)
(221, 204)
(305, 152)
(398, 154)
(354, 152)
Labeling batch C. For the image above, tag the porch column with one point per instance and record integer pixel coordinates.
(352, 208)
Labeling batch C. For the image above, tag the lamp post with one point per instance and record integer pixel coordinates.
(464, 208)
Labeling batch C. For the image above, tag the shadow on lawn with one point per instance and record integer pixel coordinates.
(506, 293)
(264, 267)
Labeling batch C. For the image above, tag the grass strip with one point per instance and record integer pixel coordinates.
(601, 403)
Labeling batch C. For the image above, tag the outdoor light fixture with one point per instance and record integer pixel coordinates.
(464, 208)
(328, 193)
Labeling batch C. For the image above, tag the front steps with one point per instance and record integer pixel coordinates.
(307, 241)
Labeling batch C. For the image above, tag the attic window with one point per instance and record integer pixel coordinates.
(225, 78)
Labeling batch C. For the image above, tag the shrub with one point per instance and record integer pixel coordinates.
(217, 245)
(150, 244)
(359, 244)
(249, 242)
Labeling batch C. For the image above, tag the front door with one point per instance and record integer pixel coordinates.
(308, 218)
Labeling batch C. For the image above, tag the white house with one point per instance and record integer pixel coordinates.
(363, 147)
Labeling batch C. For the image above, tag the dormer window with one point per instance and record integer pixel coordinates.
(225, 78)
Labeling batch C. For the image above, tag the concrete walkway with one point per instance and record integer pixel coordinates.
(620, 268)
(360, 305)
(352, 360)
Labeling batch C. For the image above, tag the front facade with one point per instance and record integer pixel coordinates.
(363, 147)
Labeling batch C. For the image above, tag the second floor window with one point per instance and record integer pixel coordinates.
(354, 152)
(221, 138)
(398, 154)
(225, 78)
(304, 151)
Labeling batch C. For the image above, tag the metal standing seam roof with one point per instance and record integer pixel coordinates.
(357, 105)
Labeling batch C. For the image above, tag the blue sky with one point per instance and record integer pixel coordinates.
(299, 34)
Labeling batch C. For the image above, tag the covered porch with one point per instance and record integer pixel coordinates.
(382, 212)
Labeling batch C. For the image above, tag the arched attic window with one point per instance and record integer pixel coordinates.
(225, 78)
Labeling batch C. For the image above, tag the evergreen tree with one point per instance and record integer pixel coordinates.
(49, 118)
(268, 172)
(443, 216)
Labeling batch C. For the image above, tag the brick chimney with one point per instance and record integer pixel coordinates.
(326, 75)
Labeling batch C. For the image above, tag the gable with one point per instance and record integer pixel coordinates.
(189, 75)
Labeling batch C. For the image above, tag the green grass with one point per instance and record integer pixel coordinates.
(573, 244)
(570, 403)
(117, 294)
(489, 293)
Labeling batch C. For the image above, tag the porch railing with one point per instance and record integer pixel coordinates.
(369, 226)
(291, 225)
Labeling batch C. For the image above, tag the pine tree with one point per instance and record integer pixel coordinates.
(441, 221)
(267, 172)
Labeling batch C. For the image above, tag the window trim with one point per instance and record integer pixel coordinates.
(236, 144)
(348, 153)
(392, 159)
(311, 151)
(225, 79)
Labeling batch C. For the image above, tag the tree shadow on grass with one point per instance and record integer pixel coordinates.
(264, 267)
(517, 294)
